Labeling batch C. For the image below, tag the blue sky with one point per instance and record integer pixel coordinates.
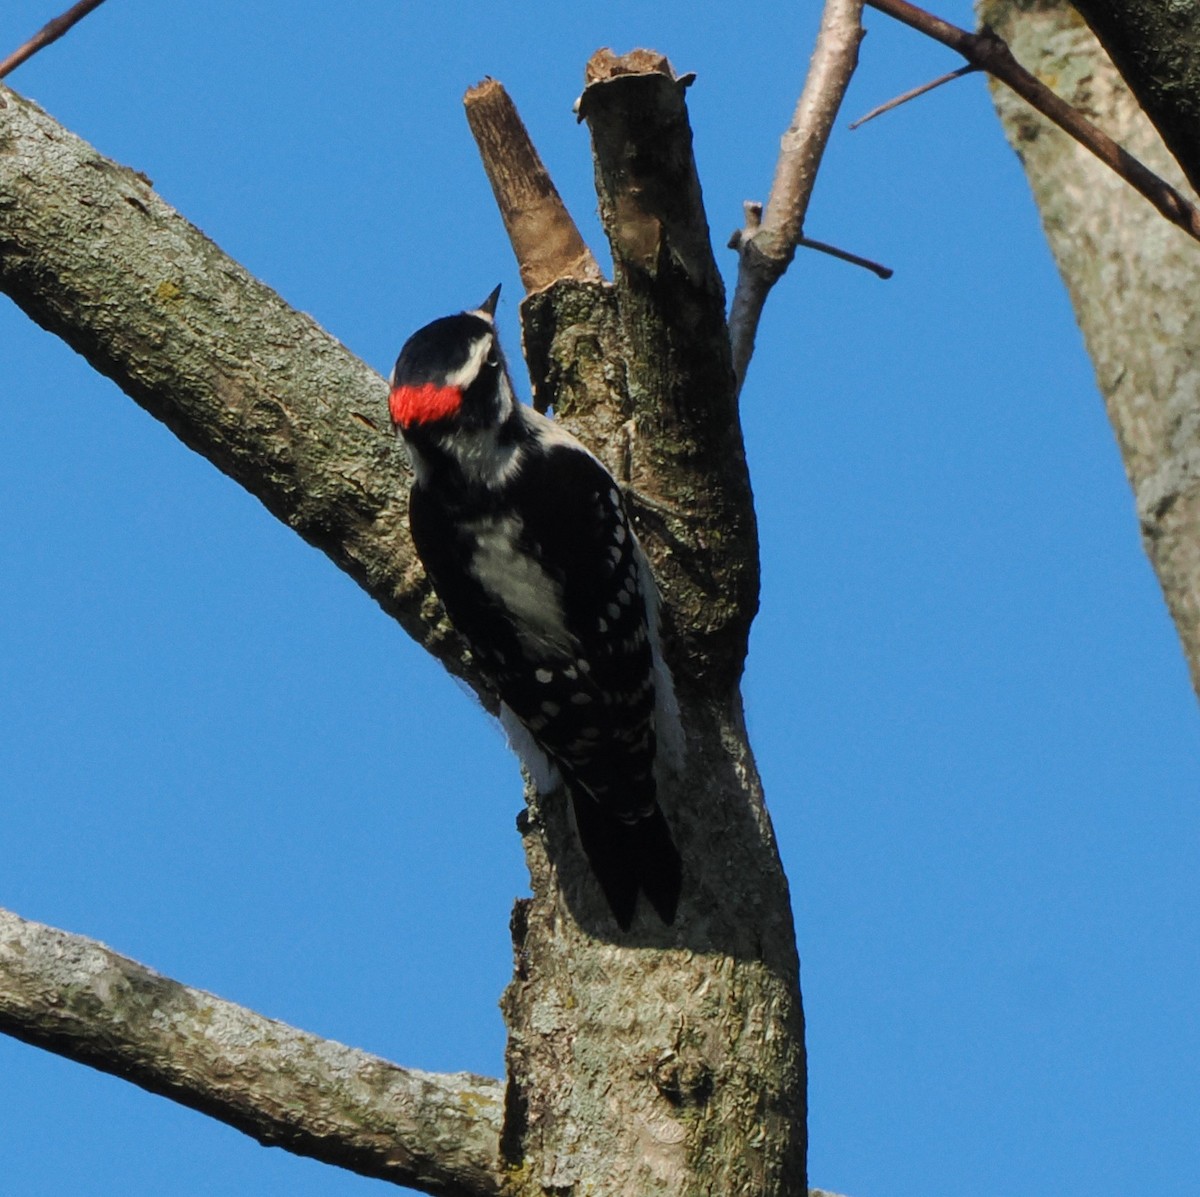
(968, 704)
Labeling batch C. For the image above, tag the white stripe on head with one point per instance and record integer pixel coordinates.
(469, 370)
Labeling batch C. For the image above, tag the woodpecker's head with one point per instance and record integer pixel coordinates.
(450, 377)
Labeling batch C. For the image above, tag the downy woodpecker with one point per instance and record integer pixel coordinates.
(524, 534)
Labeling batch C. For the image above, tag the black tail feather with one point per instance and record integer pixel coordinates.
(628, 857)
(660, 868)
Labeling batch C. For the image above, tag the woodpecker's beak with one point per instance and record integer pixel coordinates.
(488, 307)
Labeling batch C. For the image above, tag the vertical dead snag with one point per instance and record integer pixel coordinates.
(665, 1059)
(689, 463)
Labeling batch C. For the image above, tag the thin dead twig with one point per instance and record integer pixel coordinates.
(949, 77)
(844, 255)
(753, 216)
(990, 52)
(50, 32)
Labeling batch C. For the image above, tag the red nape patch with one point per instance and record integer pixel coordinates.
(424, 404)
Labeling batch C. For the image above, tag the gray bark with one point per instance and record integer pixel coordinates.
(1155, 44)
(679, 1070)
(678, 379)
(665, 1060)
(1132, 278)
(92, 254)
(284, 1087)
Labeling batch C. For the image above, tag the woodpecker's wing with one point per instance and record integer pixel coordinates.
(551, 602)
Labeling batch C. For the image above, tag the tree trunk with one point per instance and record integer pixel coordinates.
(1133, 280)
(665, 1060)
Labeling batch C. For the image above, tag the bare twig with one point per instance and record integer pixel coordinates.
(753, 217)
(50, 32)
(766, 248)
(990, 52)
(844, 255)
(544, 237)
(75, 997)
(914, 93)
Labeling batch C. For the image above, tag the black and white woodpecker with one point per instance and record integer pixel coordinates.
(524, 534)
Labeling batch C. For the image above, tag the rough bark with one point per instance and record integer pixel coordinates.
(1155, 44)
(669, 1061)
(285, 1088)
(548, 244)
(1132, 279)
(665, 1060)
(690, 471)
(92, 254)
(678, 1069)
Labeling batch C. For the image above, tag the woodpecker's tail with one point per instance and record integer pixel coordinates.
(628, 857)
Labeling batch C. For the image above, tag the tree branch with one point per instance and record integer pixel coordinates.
(281, 1086)
(677, 1094)
(766, 248)
(652, 345)
(96, 257)
(990, 52)
(1155, 44)
(50, 32)
(701, 1086)
(544, 237)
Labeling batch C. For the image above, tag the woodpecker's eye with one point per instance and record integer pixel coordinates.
(493, 358)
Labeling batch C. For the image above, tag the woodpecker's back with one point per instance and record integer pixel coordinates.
(525, 537)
